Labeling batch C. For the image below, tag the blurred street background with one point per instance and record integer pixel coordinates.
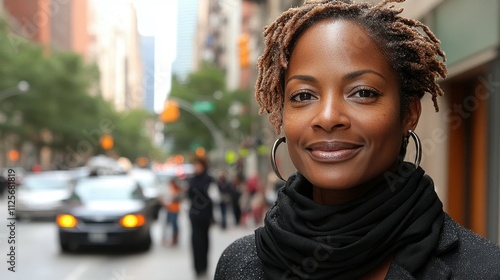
(150, 84)
(39, 255)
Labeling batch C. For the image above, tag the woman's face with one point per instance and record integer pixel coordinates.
(341, 114)
(198, 168)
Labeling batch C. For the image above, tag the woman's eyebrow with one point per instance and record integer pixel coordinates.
(302, 78)
(348, 76)
(355, 74)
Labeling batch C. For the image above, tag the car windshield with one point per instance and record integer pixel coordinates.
(146, 178)
(44, 183)
(106, 189)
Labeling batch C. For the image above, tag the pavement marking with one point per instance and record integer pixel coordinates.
(80, 270)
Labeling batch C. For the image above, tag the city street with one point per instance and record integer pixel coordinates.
(38, 255)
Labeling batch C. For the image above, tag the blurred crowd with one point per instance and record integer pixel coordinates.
(222, 198)
(237, 201)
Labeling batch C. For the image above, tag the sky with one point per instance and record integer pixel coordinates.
(158, 18)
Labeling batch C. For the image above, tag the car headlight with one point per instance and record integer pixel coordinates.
(132, 220)
(66, 221)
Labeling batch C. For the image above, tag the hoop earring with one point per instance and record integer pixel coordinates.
(273, 156)
(418, 146)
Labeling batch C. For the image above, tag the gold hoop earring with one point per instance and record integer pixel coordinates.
(418, 147)
(273, 156)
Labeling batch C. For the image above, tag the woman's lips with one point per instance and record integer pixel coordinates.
(333, 151)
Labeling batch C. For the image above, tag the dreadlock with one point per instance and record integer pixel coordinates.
(410, 47)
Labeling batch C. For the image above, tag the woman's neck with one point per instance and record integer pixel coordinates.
(339, 197)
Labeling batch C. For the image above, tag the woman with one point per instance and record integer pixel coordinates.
(200, 214)
(172, 205)
(225, 189)
(343, 81)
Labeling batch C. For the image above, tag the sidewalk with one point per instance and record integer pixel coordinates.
(178, 260)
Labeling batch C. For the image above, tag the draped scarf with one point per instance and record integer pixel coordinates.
(401, 218)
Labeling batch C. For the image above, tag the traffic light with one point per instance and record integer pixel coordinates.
(107, 142)
(244, 50)
(171, 112)
(200, 152)
(14, 155)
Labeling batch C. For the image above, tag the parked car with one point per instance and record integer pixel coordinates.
(18, 172)
(105, 210)
(41, 195)
(151, 187)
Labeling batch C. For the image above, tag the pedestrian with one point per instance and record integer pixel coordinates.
(200, 214)
(343, 81)
(236, 198)
(251, 200)
(172, 205)
(225, 189)
(3, 186)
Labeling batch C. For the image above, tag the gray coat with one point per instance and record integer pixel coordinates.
(460, 254)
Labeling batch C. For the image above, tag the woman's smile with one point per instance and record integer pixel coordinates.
(333, 151)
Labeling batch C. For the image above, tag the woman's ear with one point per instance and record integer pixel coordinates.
(413, 115)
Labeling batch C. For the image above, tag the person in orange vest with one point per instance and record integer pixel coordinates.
(172, 205)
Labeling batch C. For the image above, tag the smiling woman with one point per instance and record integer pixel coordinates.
(343, 81)
(341, 114)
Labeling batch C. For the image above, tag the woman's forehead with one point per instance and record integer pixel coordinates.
(336, 43)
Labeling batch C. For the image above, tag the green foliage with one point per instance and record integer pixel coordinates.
(62, 109)
(131, 134)
(208, 84)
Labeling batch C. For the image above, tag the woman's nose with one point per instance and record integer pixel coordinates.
(332, 114)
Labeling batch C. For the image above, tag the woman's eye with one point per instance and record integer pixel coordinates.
(366, 93)
(301, 96)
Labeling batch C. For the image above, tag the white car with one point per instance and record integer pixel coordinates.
(41, 195)
(151, 187)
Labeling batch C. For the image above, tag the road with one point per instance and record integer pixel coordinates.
(38, 256)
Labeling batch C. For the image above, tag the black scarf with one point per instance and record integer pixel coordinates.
(401, 217)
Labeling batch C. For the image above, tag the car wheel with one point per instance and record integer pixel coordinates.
(64, 247)
(68, 247)
(145, 245)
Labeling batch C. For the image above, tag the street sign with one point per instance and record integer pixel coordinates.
(203, 106)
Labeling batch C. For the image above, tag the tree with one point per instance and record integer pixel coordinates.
(208, 85)
(131, 137)
(63, 110)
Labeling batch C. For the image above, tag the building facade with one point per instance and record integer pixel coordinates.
(30, 19)
(115, 48)
(69, 26)
(470, 118)
(148, 58)
(187, 20)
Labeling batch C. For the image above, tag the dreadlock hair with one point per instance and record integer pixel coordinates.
(409, 46)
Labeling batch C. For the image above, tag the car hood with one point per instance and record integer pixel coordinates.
(41, 197)
(108, 208)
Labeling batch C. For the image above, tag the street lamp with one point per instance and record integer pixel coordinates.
(21, 88)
